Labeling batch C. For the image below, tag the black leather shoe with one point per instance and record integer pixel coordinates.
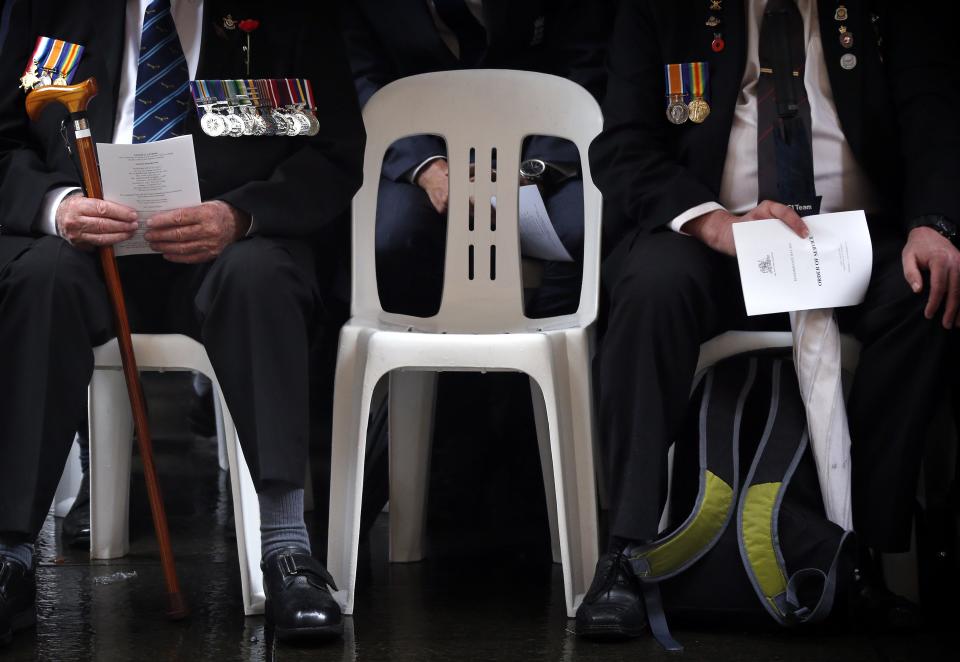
(299, 604)
(18, 593)
(75, 530)
(875, 608)
(613, 607)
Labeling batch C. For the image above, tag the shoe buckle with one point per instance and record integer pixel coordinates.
(288, 564)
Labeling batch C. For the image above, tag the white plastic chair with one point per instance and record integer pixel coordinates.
(484, 116)
(111, 426)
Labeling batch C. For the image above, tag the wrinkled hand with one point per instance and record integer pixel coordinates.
(196, 234)
(715, 229)
(928, 250)
(435, 180)
(86, 223)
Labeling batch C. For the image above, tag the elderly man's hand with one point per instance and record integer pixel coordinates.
(86, 223)
(928, 250)
(435, 180)
(715, 229)
(196, 234)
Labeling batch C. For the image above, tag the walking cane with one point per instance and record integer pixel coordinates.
(76, 98)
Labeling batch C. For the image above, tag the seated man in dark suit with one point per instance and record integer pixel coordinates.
(236, 272)
(390, 40)
(851, 118)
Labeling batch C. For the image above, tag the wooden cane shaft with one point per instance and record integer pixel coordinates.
(91, 179)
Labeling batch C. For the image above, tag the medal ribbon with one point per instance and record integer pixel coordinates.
(698, 78)
(69, 61)
(39, 53)
(675, 81)
(308, 93)
(293, 91)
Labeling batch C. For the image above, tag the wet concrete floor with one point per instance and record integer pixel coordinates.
(487, 592)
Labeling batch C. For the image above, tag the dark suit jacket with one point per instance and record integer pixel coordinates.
(892, 111)
(392, 39)
(291, 186)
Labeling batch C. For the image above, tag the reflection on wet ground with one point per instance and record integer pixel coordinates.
(487, 592)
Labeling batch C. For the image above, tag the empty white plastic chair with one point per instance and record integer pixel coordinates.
(111, 431)
(484, 116)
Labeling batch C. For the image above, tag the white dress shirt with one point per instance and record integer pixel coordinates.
(839, 178)
(188, 17)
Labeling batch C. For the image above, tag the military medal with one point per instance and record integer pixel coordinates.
(30, 78)
(698, 77)
(849, 60)
(846, 37)
(212, 124)
(677, 111)
(54, 62)
(311, 107)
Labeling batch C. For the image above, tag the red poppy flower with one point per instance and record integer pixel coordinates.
(248, 25)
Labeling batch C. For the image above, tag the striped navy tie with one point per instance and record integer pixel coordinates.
(163, 94)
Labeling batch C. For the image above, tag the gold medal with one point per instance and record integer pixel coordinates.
(698, 110)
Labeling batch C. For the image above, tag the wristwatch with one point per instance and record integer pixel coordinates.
(534, 170)
(941, 224)
(539, 171)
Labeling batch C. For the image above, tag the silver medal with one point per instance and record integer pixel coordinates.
(848, 61)
(314, 123)
(213, 124)
(235, 125)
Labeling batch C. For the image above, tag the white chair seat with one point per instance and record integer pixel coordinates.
(111, 427)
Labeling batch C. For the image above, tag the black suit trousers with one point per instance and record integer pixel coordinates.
(256, 308)
(669, 293)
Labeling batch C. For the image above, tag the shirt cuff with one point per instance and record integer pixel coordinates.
(46, 221)
(677, 224)
(416, 171)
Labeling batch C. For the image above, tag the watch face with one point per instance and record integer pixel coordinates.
(533, 168)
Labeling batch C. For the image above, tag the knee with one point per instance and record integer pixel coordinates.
(52, 269)
(407, 224)
(258, 269)
(662, 272)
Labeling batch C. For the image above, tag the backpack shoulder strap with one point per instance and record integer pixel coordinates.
(782, 446)
(726, 388)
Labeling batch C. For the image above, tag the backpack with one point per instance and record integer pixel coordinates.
(753, 545)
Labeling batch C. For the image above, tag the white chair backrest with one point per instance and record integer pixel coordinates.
(484, 116)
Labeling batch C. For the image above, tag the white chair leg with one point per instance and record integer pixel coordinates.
(69, 483)
(546, 466)
(353, 391)
(246, 518)
(111, 446)
(222, 438)
(566, 395)
(412, 405)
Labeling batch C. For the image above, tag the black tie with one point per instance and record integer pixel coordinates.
(784, 143)
(471, 35)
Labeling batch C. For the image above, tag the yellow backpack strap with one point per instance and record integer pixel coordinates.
(726, 388)
(781, 449)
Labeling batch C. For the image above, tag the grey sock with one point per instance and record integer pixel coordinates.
(281, 520)
(19, 551)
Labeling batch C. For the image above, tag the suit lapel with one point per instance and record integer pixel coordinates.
(847, 84)
(726, 70)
